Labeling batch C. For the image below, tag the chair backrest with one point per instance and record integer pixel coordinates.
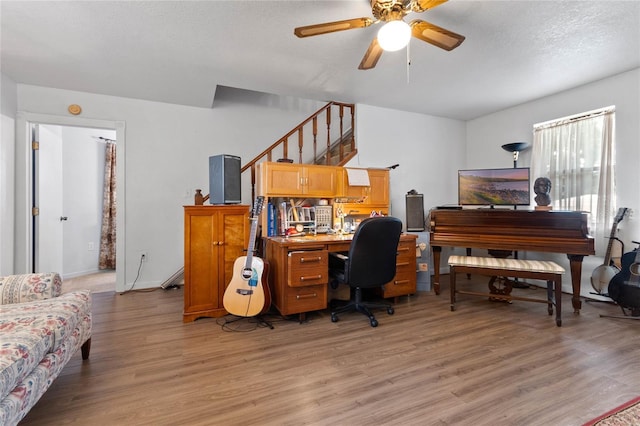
(373, 251)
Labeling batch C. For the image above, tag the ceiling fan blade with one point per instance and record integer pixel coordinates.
(331, 27)
(435, 35)
(371, 57)
(422, 5)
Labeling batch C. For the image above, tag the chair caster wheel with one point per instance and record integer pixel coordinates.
(334, 318)
(374, 322)
(390, 310)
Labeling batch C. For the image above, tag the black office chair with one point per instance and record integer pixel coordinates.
(369, 263)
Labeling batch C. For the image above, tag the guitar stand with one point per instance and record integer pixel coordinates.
(635, 314)
(611, 301)
(260, 320)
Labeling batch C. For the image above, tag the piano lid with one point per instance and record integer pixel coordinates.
(505, 229)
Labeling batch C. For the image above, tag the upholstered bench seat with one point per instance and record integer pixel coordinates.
(515, 268)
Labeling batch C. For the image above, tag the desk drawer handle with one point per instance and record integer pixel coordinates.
(306, 296)
(314, 277)
(400, 282)
(310, 259)
(403, 249)
(402, 264)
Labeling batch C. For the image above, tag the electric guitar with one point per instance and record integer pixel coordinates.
(624, 288)
(245, 295)
(602, 275)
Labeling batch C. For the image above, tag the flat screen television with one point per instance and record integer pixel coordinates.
(494, 187)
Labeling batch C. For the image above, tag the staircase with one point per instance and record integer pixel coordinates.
(337, 149)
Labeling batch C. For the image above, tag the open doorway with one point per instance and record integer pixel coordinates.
(24, 177)
(68, 191)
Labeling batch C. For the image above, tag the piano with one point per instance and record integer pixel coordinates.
(513, 230)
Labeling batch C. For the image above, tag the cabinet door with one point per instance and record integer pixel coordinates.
(320, 181)
(379, 187)
(201, 262)
(354, 194)
(282, 179)
(233, 241)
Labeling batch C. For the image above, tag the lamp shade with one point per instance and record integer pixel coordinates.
(515, 146)
(394, 35)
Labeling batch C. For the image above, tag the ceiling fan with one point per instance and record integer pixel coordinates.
(391, 12)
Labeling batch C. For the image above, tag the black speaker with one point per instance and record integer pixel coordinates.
(224, 179)
(415, 212)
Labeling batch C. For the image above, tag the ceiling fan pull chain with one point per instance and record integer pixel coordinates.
(408, 61)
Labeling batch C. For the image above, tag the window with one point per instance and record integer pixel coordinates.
(577, 154)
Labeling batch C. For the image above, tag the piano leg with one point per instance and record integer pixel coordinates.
(436, 268)
(575, 262)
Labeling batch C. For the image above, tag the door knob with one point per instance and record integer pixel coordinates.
(63, 218)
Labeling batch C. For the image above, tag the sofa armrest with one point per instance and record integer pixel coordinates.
(29, 287)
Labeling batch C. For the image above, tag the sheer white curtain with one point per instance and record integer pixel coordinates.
(578, 155)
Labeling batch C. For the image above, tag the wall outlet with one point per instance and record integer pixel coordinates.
(144, 256)
(90, 246)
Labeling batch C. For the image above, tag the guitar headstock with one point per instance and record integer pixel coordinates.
(257, 206)
(622, 211)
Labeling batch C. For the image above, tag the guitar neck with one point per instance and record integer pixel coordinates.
(252, 242)
(607, 256)
(621, 212)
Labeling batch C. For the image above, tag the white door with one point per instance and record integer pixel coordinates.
(48, 192)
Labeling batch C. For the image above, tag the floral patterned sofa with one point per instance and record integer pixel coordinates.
(40, 330)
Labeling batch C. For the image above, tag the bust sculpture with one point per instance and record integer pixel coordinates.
(542, 187)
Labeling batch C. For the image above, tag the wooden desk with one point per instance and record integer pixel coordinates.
(299, 270)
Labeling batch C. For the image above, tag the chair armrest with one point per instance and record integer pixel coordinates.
(29, 287)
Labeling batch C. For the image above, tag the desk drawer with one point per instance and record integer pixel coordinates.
(402, 284)
(304, 299)
(405, 280)
(308, 268)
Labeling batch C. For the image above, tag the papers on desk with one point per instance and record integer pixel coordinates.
(358, 177)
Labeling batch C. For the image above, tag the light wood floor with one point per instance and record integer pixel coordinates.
(487, 363)
(97, 282)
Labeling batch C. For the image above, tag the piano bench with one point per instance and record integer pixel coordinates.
(550, 272)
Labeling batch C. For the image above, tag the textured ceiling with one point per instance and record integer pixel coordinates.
(179, 52)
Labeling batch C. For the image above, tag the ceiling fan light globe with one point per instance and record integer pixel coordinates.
(394, 35)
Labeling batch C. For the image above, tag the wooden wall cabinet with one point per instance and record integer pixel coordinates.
(377, 193)
(372, 197)
(294, 180)
(214, 237)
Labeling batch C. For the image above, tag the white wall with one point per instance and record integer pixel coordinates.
(167, 150)
(429, 150)
(9, 102)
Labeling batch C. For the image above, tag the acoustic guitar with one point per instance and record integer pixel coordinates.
(245, 295)
(602, 275)
(624, 287)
